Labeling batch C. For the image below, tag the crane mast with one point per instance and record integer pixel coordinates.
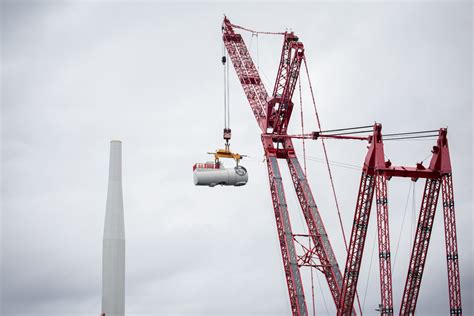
(273, 114)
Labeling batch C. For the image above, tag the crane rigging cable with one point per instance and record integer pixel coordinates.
(306, 174)
(411, 133)
(256, 32)
(401, 228)
(334, 163)
(370, 270)
(322, 294)
(411, 137)
(328, 167)
(302, 128)
(346, 129)
(325, 153)
(349, 133)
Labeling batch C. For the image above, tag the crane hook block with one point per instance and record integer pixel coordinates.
(224, 59)
(227, 133)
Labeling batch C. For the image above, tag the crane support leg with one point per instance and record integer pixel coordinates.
(384, 246)
(285, 235)
(356, 245)
(454, 283)
(420, 246)
(316, 227)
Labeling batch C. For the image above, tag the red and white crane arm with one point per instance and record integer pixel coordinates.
(247, 72)
(273, 116)
(279, 108)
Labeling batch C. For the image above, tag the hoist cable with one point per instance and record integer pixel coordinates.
(225, 67)
(224, 61)
(328, 166)
(228, 96)
(225, 90)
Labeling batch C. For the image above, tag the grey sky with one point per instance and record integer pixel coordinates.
(78, 74)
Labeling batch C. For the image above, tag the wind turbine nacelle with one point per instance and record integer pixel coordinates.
(212, 174)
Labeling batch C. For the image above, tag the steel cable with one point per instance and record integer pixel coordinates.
(328, 166)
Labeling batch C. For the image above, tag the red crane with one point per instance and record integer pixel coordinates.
(375, 173)
(273, 114)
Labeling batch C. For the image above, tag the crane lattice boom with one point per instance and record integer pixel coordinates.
(273, 116)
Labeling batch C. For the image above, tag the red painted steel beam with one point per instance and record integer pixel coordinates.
(386, 295)
(409, 172)
(356, 244)
(280, 107)
(247, 72)
(376, 166)
(257, 97)
(441, 163)
(318, 233)
(284, 66)
(420, 247)
(452, 257)
(375, 158)
(285, 236)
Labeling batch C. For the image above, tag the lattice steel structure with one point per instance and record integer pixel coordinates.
(273, 114)
(437, 175)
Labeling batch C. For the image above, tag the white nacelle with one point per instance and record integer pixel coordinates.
(219, 175)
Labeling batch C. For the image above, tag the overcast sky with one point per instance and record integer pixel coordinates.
(76, 75)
